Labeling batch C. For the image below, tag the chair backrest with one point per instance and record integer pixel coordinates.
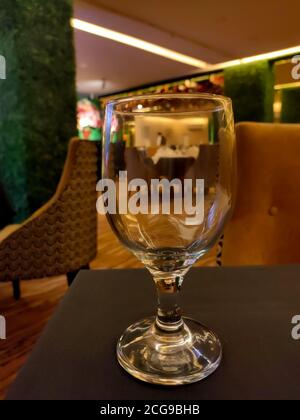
(174, 167)
(62, 235)
(265, 227)
(206, 165)
(138, 165)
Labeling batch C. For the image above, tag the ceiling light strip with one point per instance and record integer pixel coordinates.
(266, 56)
(137, 43)
(287, 85)
(173, 55)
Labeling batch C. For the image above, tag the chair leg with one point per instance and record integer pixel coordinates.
(16, 289)
(72, 274)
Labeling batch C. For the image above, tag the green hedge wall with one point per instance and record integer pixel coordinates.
(290, 111)
(251, 88)
(37, 100)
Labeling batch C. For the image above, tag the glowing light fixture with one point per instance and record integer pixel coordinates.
(266, 56)
(171, 54)
(136, 42)
(277, 106)
(287, 85)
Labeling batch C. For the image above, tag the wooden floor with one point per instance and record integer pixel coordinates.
(26, 318)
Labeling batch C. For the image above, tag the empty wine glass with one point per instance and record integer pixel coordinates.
(171, 159)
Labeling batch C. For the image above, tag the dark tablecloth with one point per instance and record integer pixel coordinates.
(250, 308)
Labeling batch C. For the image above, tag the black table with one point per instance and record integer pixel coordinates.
(250, 308)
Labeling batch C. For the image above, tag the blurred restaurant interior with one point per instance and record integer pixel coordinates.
(62, 62)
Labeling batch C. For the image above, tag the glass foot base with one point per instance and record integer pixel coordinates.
(169, 358)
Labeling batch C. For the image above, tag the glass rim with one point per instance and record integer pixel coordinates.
(156, 96)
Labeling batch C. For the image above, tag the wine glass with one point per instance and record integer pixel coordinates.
(171, 159)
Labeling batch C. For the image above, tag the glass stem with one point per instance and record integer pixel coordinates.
(168, 287)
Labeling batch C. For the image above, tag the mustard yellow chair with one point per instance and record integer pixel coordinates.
(61, 237)
(265, 227)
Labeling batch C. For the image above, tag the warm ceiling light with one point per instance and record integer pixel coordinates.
(136, 42)
(266, 56)
(287, 85)
(173, 55)
(272, 55)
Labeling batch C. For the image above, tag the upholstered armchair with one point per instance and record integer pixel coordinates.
(265, 227)
(61, 237)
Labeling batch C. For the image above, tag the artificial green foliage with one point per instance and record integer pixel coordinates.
(251, 88)
(12, 150)
(37, 100)
(290, 111)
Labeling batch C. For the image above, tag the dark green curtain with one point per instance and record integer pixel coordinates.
(37, 99)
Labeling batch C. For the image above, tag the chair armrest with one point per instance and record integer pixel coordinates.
(7, 231)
